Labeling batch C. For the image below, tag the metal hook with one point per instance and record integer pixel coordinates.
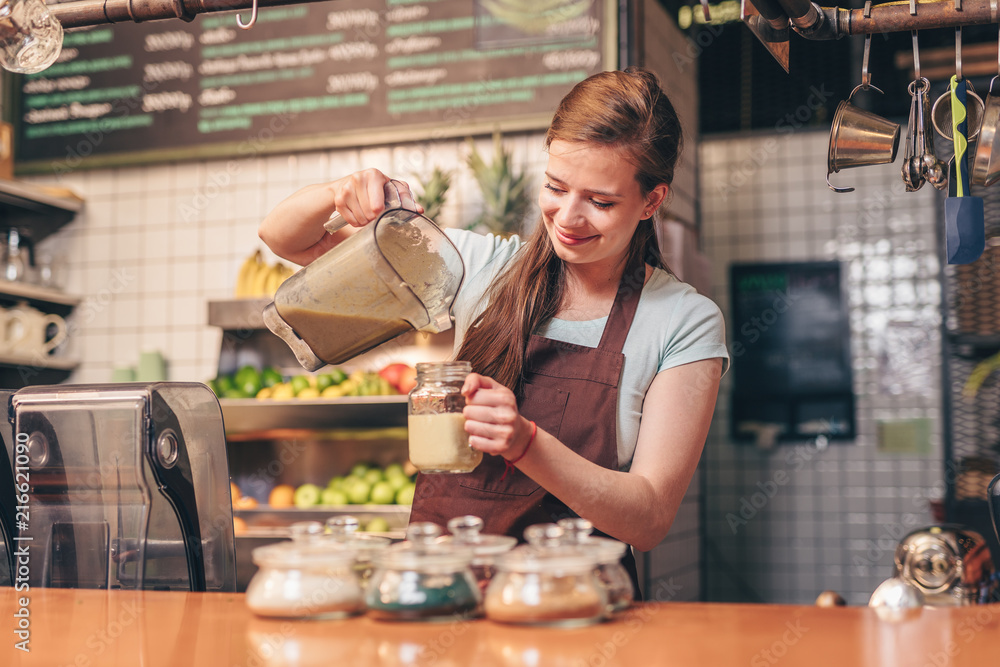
(253, 18)
(913, 7)
(866, 76)
(916, 55)
(958, 52)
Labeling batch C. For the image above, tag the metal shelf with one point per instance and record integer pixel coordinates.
(250, 418)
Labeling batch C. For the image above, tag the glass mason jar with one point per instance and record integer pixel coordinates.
(610, 571)
(437, 437)
(309, 577)
(546, 582)
(423, 579)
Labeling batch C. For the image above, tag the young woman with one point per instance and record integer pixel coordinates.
(596, 370)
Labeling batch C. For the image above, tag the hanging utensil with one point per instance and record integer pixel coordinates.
(986, 164)
(941, 111)
(858, 137)
(919, 162)
(965, 233)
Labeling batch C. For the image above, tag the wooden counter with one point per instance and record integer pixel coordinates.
(149, 629)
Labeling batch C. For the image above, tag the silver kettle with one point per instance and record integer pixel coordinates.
(949, 564)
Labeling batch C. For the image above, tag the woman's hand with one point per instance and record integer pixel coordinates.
(492, 419)
(294, 228)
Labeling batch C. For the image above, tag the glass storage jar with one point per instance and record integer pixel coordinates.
(423, 579)
(343, 530)
(546, 582)
(610, 571)
(466, 532)
(437, 439)
(309, 577)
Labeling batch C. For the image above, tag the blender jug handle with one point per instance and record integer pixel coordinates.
(397, 195)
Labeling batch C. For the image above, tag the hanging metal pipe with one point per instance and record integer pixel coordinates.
(896, 17)
(84, 13)
(772, 13)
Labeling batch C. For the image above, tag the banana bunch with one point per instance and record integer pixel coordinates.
(258, 278)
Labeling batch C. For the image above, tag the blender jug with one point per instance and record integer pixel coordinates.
(396, 274)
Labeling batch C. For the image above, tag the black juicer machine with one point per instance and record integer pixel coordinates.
(115, 486)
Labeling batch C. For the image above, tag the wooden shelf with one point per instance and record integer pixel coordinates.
(37, 211)
(45, 298)
(17, 372)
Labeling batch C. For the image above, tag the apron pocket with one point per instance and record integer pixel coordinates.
(544, 405)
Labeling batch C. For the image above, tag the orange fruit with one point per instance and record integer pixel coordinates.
(239, 526)
(282, 495)
(235, 492)
(245, 503)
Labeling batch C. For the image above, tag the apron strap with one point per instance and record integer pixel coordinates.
(623, 310)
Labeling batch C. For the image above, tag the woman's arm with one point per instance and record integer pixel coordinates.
(637, 507)
(294, 228)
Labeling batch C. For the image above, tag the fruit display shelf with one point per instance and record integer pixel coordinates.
(251, 418)
(267, 521)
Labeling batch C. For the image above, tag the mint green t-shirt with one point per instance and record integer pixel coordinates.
(673, 325)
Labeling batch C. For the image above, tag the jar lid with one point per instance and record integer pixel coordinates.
(547, 553)
(343, 530)
(465, 532)
(578, 531)
(423, 550)
(297, 554)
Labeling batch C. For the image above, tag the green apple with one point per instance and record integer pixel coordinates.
(307, 495)
(360, 469)
(333, 497)
(358, 492)
(377, 525)
(405, 495)
(383, 493)
(394, 469)
(373, 476)
(336, 483)
(397, 481)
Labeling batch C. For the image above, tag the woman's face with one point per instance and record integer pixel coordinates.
(591, 203)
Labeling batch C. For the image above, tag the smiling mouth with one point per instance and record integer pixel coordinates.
(570, 239)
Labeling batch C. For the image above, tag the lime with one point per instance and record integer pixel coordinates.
(359, 469)
(250, 385)
(383, 493)
(373, 475)
(245, 374)
(405, 495)
(307, 495)
(299, 382)
(224, 382)
(333, 497)
(323, 381)
(377, 525)
(270, 377)
(358, 492)
(236, 393)
(337, 375)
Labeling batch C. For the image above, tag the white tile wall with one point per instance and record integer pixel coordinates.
(829, 526)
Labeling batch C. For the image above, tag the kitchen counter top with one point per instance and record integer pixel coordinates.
(110, 628)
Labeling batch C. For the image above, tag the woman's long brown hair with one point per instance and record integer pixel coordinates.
(625, 110)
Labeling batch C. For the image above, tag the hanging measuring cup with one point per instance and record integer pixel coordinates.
(859, 137)
(394, 275)
(986, 164)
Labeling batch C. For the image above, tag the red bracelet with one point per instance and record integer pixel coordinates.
(508, 464)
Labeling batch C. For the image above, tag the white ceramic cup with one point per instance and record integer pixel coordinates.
(26, 331)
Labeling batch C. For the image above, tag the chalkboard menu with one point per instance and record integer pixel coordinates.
(791, 352)
(339, 73)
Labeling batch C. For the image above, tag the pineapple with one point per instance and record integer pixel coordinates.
(434, 190)
(505, 196)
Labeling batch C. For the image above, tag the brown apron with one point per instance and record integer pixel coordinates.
(571, 392)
